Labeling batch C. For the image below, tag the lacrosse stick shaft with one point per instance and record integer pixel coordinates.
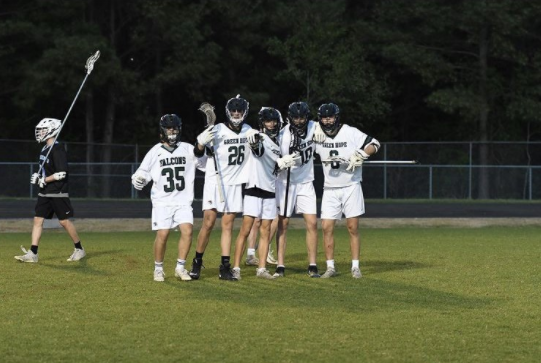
(287, 192)
(218, 178)
(391, 162)
(89, 65)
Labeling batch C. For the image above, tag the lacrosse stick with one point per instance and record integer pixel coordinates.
(293, 147)
(89, 67)
(208, 110)
(341, 160)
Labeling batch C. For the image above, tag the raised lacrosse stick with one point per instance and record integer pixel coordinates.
(210, 116)
(89, 67)
(341, 160)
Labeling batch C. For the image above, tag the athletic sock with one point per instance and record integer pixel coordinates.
(34, 249)
(181, 264)
(330, 263)
(78, 245)
(199, 256)
(251, 252)
(158, 265)
(354, 263)
(226, 260)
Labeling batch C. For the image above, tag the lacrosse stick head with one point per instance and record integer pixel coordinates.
(47, 128)
(90, 62)
(208, 110)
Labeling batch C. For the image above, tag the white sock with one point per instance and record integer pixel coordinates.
(236, 268)
(330, 263)
(251, 251)
(158, 265)
(180, 264)
(354, 263)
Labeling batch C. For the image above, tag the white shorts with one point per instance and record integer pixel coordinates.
(170, 217)
(232, 198)
(301, 198)
(347, 200)
(259, 207)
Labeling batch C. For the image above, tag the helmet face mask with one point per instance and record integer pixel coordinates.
(170, 129)
(266, 115)
(47, 128)
(328, 111)
(297, 114)
(236, 110)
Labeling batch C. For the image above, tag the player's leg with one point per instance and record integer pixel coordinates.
(251, 260)
(159, 253)
(328, 242)
(273, 228)
(228, 220)
(268, 214)
(353, 209)
(43, 210)
(306, 204)
(331, 210)
(63, 210)
(209, 219)
(246, 227)
(184, 244)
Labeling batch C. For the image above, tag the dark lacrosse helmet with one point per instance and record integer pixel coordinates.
(298, 110)
(170, 121)
(329, 110)
(270, 114)
(237, 104)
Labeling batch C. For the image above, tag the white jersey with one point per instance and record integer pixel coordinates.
(303, 170)
(261, 168)
(173, 174)
(232, 153)
(343, 144)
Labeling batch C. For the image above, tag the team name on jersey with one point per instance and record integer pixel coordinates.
(275, 151)
(173, 161)
(334, 145)
(236, 141)
(306, 144)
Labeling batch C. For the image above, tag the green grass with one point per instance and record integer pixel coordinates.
(427, 295)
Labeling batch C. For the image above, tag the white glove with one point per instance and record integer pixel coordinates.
(138, 181)
(319, 135)
(252, 136)
(206, 136)
(60, 175)
(34, 178)
(287, 161)
(357, 159)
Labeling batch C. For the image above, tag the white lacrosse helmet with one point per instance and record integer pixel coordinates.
(47, 128)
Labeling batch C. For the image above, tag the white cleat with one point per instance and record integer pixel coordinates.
(183, 274)
(251, 260)
(329, 273)
(356, 273)
(264, 274)
(28, 256)
(78, 254)
(235, 271)
(270, 258)
(159, 275)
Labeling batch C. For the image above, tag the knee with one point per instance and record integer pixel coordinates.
(38, 222)
(64, 222)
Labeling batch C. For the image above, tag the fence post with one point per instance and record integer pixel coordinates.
(530, 183)
(430, 182)
(384, 172)
(470, 171)
(31, 172)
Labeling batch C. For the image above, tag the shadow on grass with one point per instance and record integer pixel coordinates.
(82, 266)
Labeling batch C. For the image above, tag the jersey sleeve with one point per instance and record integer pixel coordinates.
(60, 159)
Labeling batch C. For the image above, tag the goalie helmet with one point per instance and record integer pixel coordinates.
(297, 114)
(47, 128)
(329, 110)
(240, 105)
(173, 122)
(270, 114)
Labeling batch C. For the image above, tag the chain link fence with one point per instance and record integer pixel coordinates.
(447, 170)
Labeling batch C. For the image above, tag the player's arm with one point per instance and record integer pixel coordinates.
(142, 175)
(369, 147)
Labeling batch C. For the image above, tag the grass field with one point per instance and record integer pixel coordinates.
(427, 295)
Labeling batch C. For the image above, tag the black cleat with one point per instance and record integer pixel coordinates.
(196, 269)
(226, 273)
(280, 272)
(312, 272)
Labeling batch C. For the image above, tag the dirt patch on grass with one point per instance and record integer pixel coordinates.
(143, 224)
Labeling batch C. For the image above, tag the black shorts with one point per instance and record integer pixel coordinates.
(46, 207)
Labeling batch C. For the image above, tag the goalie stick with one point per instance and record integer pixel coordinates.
(208, 110)
(89, 67)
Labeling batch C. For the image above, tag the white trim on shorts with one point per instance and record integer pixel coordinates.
(170, 217)
(348, 201)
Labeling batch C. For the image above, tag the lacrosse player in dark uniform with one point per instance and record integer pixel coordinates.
(53, 197)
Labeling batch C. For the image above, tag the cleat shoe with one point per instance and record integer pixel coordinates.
(312, 272)
(196, 269)
(236, 273)
(356, 273)
(159, 275)
(263, 273)
(280, 272)
(251, 260)
(226, 273)
(270, 258)
(28, 256)
(182, 274)
(329, 273)
(78, 254)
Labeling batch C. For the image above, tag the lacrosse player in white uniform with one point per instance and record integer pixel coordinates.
(294, 187)
(259, 195)
(342, 192)
(53, 197)
(225, 173)
(171, 166)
